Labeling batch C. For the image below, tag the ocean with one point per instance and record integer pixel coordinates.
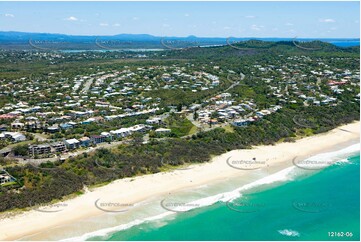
(293, 204)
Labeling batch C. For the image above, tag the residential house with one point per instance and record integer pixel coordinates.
(123, 132)
(41, 149)
(66, 126)
(17, 125)
(15, 136)
(72, 143)
(155, 120)
(163, 131)
(52, 129)
(240, 123)
(96, 139)
(84, 141)
(58, 147)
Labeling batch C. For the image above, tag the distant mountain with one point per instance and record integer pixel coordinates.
(47, 41)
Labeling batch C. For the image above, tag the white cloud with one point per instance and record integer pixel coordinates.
(289, 24)
(256, 27)
(327, 20)
(72, 18)
(104, 24)
(116, 25)
(249, 16)
(9, 15)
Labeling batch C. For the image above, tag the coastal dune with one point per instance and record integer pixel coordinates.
(123, 192)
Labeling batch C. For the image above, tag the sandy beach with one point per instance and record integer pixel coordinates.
(132, 190)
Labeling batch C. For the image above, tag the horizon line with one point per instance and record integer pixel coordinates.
(191, 35)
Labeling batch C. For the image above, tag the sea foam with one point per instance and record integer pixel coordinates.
(283, 175)
(289, 233)
(287, 174)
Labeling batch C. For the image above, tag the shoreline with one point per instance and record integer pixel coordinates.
(137, 189)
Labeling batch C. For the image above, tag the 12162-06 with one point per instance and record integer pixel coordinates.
(340, 234)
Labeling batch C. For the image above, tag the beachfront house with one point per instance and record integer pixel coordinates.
(96, 139)
(41, 149)
(120, 133)
(46, 149)
(58, 147)
(241, 123)
(72, 143)
(84, 141)
(109, 136)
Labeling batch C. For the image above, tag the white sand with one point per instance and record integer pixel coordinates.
(137, 189)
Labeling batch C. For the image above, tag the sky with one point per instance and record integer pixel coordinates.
(202, 19)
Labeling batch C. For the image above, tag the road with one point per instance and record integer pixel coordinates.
(236, 83)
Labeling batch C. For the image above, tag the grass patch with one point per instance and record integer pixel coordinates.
(228, 129)
(193, 130)
(180, 125)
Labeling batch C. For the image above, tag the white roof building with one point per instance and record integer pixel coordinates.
(162, 130)
(72, 141)
(15, 136)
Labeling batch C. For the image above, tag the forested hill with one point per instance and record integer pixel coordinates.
(254, 47)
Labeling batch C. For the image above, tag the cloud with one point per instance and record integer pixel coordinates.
(9, 15)
(104, 24)
(289, 24)
(135, 18)
(327, 20)
(116, 25)
(256, 27)
(249, 16)
(186, 15)
(72, 18)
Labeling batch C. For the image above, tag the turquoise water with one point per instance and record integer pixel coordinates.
(306, 208)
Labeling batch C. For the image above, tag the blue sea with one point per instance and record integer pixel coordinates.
(292, 204)
(345, 43)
